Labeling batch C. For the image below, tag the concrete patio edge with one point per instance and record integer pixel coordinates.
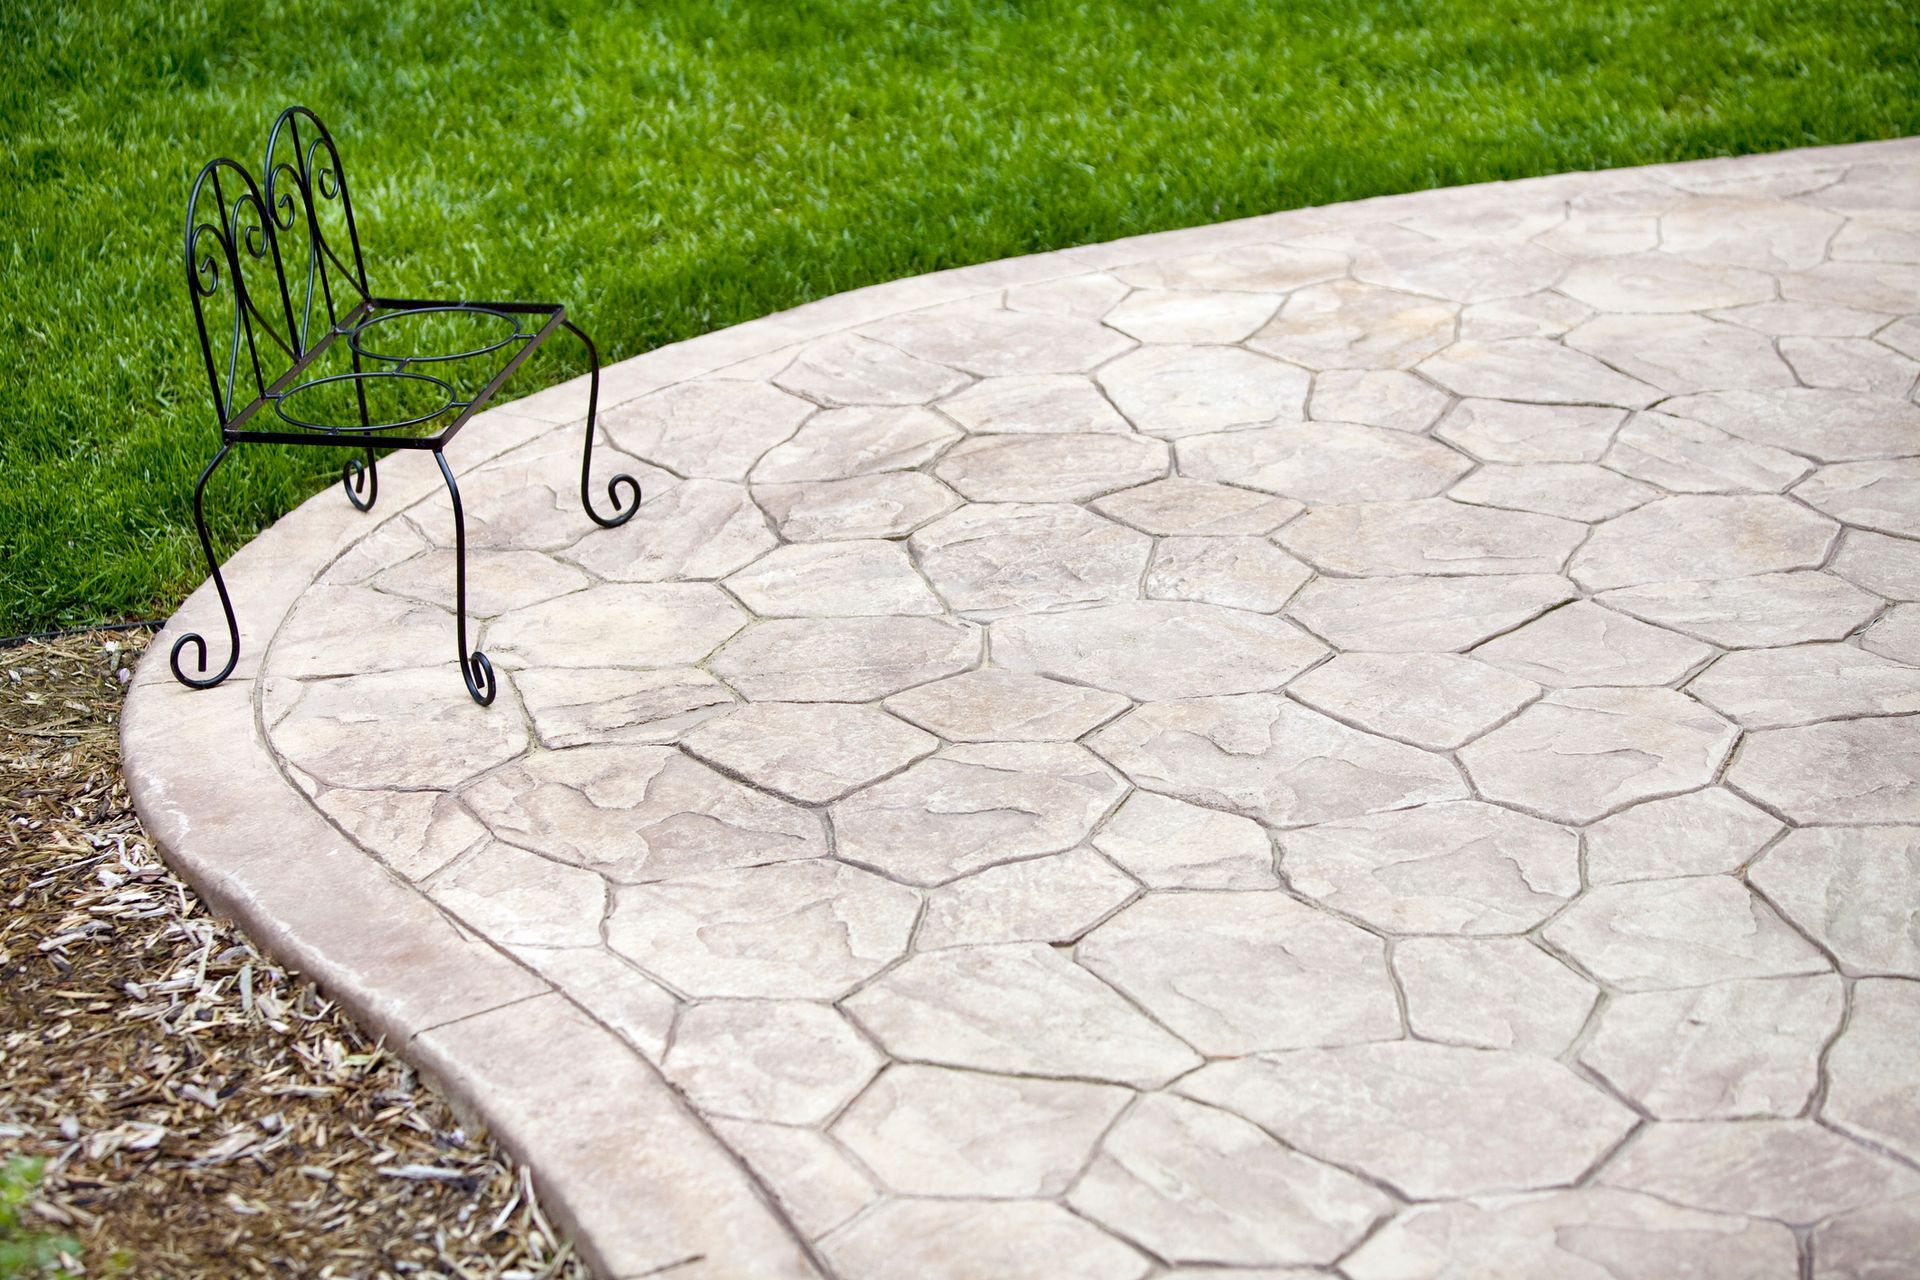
(629, 1170)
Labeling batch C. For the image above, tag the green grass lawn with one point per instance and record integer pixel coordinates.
(670, 168)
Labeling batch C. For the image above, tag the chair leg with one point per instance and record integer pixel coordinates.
(622, 511)
(359, 478)
(475, 669)
(192, 639)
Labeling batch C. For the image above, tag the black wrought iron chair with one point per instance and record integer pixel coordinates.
(295, 303)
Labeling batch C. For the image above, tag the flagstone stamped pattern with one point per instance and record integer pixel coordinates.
(1380, 737)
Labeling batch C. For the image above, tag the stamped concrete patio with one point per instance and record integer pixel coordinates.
(1373, 741)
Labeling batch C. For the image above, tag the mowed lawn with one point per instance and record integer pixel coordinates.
(677, 166)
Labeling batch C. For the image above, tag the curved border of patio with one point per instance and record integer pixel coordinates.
(636, 1177)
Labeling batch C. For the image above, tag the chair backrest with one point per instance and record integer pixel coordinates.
(271, 270)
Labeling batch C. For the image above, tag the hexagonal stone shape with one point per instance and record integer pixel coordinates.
(1348, 325)
(579, 706)
(844, 659)
(1683, 353)
(1158, 649)
(1658, 935)
(1889, 566)
(849, 369)
(933, 1131)
(1455, 867)
(1003, 343)
(1667, 282)
(1238, 973)
(1240, 573)
(814, 1181)
(1045, 404)
(1792, 1170)
(1195, 1184)
(972, 806)
(800, 930)
(1022, 1008)
(1192, 315)
(1881, 495)
(891, 504)
(789, 1061)
(840, 444)
(1432, 1120)
(1559, 1235)
(1323, 462)
(663, 624)
(1536, 370)
(714, 429)
(1754, 231)
(974, 1239)
(1824, 424)
(1584, 644)
(696, 529)
(1377, 398)
(1873, 1080)
(1005, 706)
(1853, 889)
(1502, 431)
(516, 898)
(1749, 1047)
(1491, 993)
(1430, 536)
(834, 580)
(1697, 834)
(813, 752)
(1177, 505)
(992, 560)
(1272, 760)
(1767, 609)
(1579, 753)
(1571, 490)
(423, 736)
(1769, 688)
(639, 813)
(1437, 701)
(1054, 899)
(1415, 615)
(1842, 771)
(1685, 456)
(1050, 468)
(1182, 391)
(1874, 1243)
(1170, 844)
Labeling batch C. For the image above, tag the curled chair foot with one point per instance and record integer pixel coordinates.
(478, 673)
(475, 668)
(193, 640)
(361, 480)
(623, 509)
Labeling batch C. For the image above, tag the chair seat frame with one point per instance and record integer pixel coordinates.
(250, 234)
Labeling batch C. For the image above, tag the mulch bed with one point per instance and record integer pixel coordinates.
(200, 1111)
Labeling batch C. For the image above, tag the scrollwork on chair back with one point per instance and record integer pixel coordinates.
(306, 188)
(239, 287)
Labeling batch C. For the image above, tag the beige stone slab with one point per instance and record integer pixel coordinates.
(843, 579)
(1316, 463)
(1181, 505)
(1842, 771)
(1431, 1120)
(975, 805)
(1791, 1170)
(1238, 973)
(1176, 391)
(887, 505)
(1700, 833)
(783, 1061)
(1170, 844)
(1503, 431)
(844, 659)
(1657, 935)
(978, 1240)
(1020, 1008)
(1271, 760)
(1434, 536)
(1595, 1233)
(1051, 467)
(1157, 649)
(1240, 573)
(1039, 404)
(1747, 1047)
(996, 559)
(1852, 889)
(813, 752)
(1491, 993)
(811, 1179)
(1765, 609)
(1196, 1184)
(1055, 898)
(608, 1134)
(992, 705)
(1418, 614)
(934, 1131)
(1584, 644)
(1873, 1087)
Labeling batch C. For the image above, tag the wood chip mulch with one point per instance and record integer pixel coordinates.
(201, 1111)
